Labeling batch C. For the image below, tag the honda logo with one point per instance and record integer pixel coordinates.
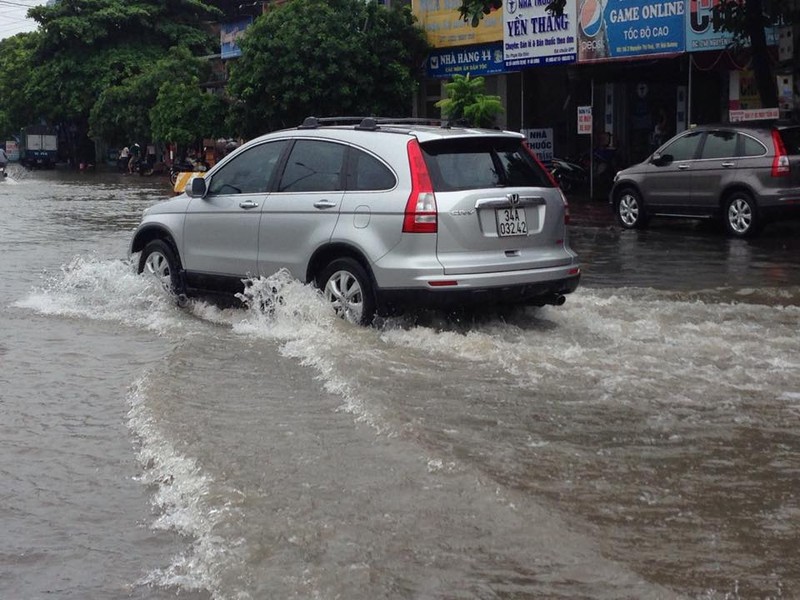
(513, 199)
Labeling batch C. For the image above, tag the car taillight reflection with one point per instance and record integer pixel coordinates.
(421, 212)
(780, 164)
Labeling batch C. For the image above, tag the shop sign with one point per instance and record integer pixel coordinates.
(445, 28)
(534, 36)
(541, 142)
(753, 114)
(12, 150)
(484, 59)
(584, 120)
(229, 33)
(704, 28)
(629, 28)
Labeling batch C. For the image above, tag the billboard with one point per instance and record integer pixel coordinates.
(703, 28)
(614, 29)
(533, 36)
(482, 59)
(445, 28)
(229, 33)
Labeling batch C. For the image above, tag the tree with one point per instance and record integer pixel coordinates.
(16, 109)
(94, 58)
(747, 20)
(325, 58)
(123, 112)
(183, 113)
(466, 101)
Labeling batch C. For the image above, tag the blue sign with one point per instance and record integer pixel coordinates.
(630, 28)
(482, 59)
(229, 33)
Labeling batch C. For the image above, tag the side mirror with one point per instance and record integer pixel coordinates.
(661, 160)
(197, 188)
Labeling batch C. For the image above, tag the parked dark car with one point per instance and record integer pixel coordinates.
(745, 174)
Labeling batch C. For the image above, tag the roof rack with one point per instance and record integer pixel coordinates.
(367, 123)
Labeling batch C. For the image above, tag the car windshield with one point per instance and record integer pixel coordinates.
(486, 162)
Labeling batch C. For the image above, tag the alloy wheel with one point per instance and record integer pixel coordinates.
(157, 265)
(344, 293)
(740, 216)
(628, 209)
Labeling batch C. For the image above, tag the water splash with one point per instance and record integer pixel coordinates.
(189, 502)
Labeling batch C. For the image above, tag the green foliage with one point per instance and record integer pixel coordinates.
(98, 64)
(16, 108)
(122, 112)
(183, 113)
(466, 101)
(472, 11)
(325, 58)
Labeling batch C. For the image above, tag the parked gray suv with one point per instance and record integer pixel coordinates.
(743, 173)
(382, 215)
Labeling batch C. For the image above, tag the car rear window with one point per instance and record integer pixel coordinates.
(486, 162)
(791, 139)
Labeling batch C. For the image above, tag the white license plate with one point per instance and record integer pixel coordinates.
(511, 221)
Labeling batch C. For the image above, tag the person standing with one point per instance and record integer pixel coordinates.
(124, 157)
(133, 163)
(3, 161)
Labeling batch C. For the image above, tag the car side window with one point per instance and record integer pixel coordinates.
(249, 172)
(719, 144)
(313, 166)
(367, 173)
(685, 147)
(751, 147)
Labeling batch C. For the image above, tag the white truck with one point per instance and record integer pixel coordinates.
(38, 146)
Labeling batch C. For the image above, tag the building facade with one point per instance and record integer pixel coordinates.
(638, 71)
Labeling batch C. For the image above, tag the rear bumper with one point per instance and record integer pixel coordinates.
(536, 293)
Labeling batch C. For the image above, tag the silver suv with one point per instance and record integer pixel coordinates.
(743, 173)
(381, 215)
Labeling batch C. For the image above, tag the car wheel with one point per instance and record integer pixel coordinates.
(629, 209)
(741, 215)
(347, 287)
(158, 260)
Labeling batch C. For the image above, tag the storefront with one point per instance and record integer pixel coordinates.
(647, 68)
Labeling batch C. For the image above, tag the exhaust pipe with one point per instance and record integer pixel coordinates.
(556, 299)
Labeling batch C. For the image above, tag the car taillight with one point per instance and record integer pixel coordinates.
(420, 214)
(780, 164)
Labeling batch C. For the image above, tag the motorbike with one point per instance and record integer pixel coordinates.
(570, 175)
(183, 166)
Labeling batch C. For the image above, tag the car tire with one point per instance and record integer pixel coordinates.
(158, 260)
(347, 287)
(741, 215)
(629, 209)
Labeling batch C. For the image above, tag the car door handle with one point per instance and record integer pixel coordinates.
(324, 204)
(728, 165)
(248, 204)
(683, 167)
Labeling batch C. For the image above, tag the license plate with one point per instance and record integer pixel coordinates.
(511, 221)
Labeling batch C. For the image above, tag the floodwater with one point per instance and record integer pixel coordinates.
(641, 441)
